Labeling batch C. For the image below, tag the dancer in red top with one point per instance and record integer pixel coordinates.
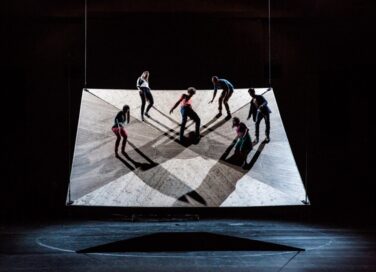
(118, 128)
(186, 111)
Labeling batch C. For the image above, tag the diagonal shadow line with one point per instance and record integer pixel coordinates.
(252, 162)
(126, 163)
(205, 133)
(163, 125)
(139, 165)
(135, 148)
(164, 133)
(171, 119)
(228, 150)
(194, 195)
(165, 115)
(187, 242)
(214, 127)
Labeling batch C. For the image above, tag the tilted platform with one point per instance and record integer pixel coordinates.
(160, 172)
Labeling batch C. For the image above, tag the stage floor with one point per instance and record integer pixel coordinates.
(158, 171)
(209, 245)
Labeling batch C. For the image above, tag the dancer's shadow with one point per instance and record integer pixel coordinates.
(248, 166)
(194, 195)
(144, 166)
(220, 181)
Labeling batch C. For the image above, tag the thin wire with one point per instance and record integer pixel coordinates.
(269, 46)
(85, 83)
(69, 162)
(69, 128)
(306, 178)
(296, 254)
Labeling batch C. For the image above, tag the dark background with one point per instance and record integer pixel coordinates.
(322, 74)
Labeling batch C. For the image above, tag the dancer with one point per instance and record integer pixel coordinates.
(187, 111)
(259, 110)
(228, 89)
(243, 143)
(118, 128)
(145, 93)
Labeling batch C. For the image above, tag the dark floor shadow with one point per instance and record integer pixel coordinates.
(163, 125)
(130, 167)
(214, 127)
(210, 122)
(165, 115)
(228, 150)
(141, 165)
(195, 196)
(248, 166)
(142, 154)
(187, 242)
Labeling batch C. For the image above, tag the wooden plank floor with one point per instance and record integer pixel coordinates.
(53, 247)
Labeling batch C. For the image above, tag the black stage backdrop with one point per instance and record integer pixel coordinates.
(322, 60)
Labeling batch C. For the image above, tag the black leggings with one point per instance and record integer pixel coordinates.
(186, 112)
(225, 96)
(145, 94)
(266, 117)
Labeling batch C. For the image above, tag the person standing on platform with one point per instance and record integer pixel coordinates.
(227, 90)
(186, 111)
(121, 118)
(243, 140)
(259, 110)
(145, 93)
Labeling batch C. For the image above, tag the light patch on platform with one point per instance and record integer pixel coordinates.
(251, 192)
(189, 167)
(128, 191)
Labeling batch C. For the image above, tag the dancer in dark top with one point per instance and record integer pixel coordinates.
(259, 110)
(118, 128)
(186, 111)
(228, 89)
(145, 93)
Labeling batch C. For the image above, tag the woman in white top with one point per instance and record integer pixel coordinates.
(145, 93)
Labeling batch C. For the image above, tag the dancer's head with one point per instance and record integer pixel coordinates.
(191, 91)
(235, 122)
(145, 75)
(125, 108)
(252, 92)
(214, 79)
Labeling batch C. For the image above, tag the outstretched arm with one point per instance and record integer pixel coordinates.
(214, 94)
(263, 104)
(250, 110)
(176, 104)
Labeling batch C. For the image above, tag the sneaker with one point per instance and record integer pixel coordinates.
(228, 117)
(218, 115)
(267, 140)
(255, 142)
(147, 115)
